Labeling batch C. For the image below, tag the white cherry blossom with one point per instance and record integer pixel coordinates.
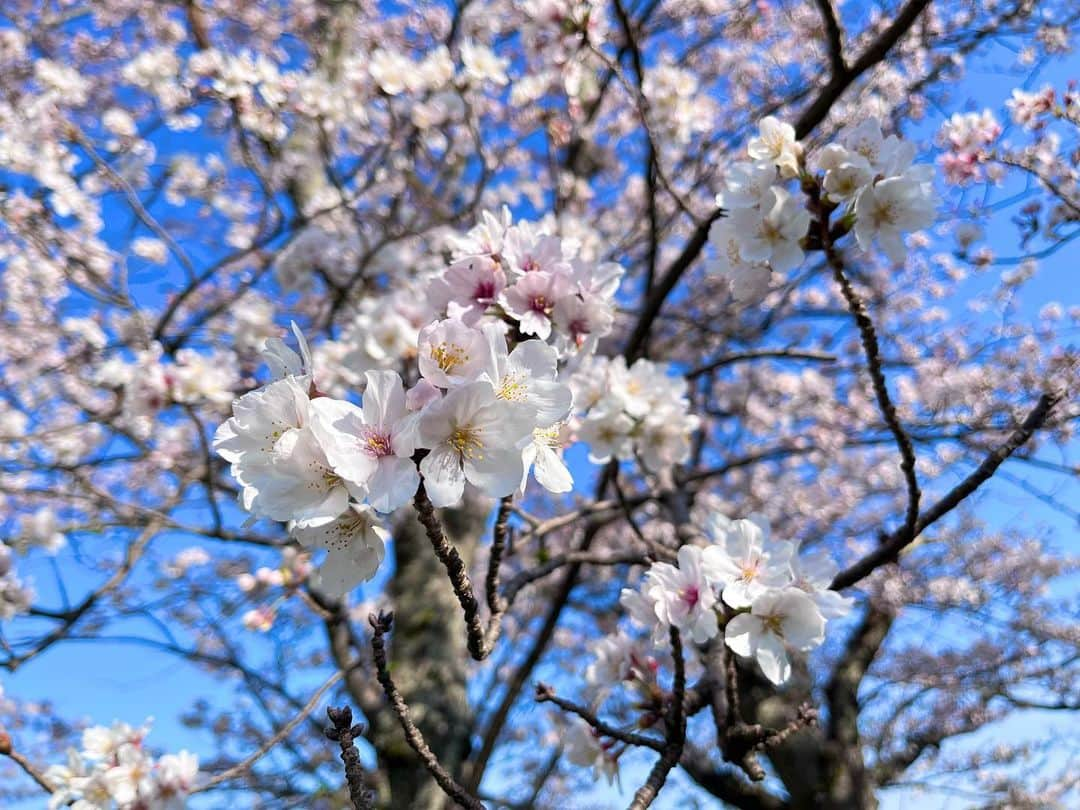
(778, 619)
(356, 546)
(372, 446)
(473, 436)
(745, 561)
(451, 353)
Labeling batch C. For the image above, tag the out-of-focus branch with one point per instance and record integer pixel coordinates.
(27, 767)
(842, 80)
(546, 694)
(834, 36)
(676, 732)
(381, 625)
(847, 780)
(245, 765)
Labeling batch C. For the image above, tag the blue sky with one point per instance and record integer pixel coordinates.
(102, 681)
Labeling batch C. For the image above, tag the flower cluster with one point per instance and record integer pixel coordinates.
(967, 138)
(775, 600)
(487, 407)
(533, 280)
(640, 411)
(766, 222)
(15, 595)
(114, 770)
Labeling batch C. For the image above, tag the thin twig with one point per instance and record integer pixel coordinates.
(343, 732)
(546, 694)
(244, 765)
(28, 768)
(868, 334)
(676, 732)
(381, 625)
(890, 550)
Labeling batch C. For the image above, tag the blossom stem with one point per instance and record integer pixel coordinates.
(545, 694)
(676, 732)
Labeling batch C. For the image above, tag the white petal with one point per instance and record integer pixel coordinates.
(773, 659)
(444, 479)
(551, 472)
(393, 484)
(742, 633)
(384, 398)
(497, 472)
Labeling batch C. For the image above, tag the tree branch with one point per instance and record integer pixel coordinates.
(381, 625)
(676, 732)
(895, 543)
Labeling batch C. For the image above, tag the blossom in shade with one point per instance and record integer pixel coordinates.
(778, 619)
(356, 545)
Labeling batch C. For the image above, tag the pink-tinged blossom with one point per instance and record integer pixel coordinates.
(372, 446)
(581, 320)
(683, 595)
(527, 251)
(968, 138)
(468, 288)
(532, 298)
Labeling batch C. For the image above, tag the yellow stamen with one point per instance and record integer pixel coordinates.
(448, 356)
(467, 442)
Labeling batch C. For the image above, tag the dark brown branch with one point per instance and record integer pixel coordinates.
(456, 570)
(343, 732)
(872, 351)
(676, 732)
(895, 543)
(833, 36)
(729, 786)
(381, 625)
(546, 694)
(496, 603)
(842, 80)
